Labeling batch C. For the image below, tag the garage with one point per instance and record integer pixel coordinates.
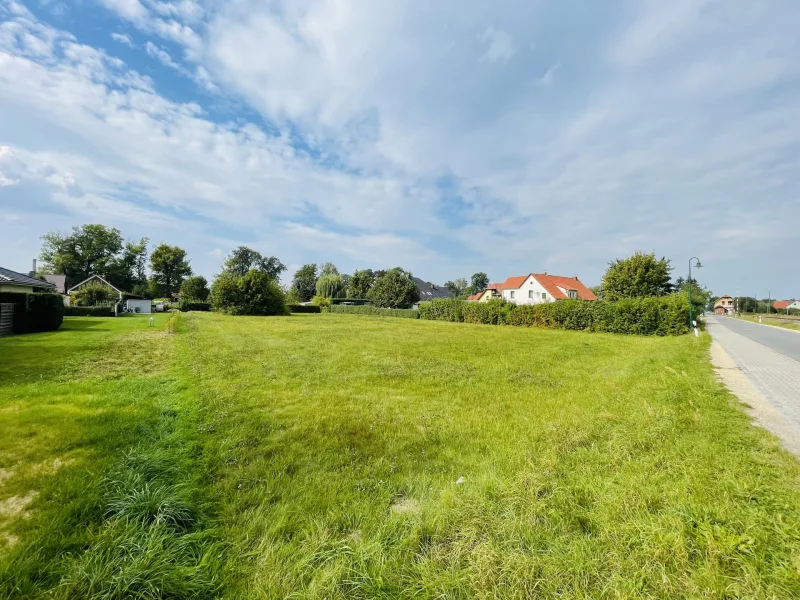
(139, 306)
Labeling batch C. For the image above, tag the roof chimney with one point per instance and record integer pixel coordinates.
(33, 273)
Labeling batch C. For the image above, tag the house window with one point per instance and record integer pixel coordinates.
(530, 294)
(512, 295)
(544, 296)
(573, 294)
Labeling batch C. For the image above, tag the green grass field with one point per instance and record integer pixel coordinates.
(784, 321)
(338, 456)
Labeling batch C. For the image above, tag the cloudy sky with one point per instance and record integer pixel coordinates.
(444, 137)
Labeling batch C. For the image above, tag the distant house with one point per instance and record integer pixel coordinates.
(60, 281)
(781, 304)
(723, 306)
(536, 288)
(794, 305)
(430, 291)
(494, 290)
(95, 280)
(11, 281)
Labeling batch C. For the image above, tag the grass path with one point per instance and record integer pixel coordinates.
(333, 456)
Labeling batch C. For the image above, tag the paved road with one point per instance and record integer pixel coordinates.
(780, 340)
(769, 356)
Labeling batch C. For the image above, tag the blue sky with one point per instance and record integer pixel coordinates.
(444, 137)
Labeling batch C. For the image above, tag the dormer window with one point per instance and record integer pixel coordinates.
(573, 294)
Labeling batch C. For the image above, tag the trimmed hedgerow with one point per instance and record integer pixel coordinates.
(403, 313)
(188, 304)
(89, 311)
(304, 308)
(663, 315)
(35, 312)
(353, 301)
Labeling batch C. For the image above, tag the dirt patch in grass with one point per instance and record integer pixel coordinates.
(15, 506)
(404, 505)
(134, 354)
(6, 474)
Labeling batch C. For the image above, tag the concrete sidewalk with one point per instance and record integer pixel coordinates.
(774, 374)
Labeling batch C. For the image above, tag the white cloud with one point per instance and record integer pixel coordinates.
(132, 10)
(548, 76)
(500, 45)
(122, 39)
(162, 56)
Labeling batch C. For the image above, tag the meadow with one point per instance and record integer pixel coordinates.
(342, 456)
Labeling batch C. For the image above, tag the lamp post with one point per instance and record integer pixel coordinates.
(689, 287)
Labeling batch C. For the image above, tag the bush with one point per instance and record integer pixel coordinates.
(252, 294)
(323, 302)
(188, 304)
(403, 313)
(35, 312)
(89, 311)
(195, 288)
(663, 315)
(93, 294)
(394, 289)
(302, 308)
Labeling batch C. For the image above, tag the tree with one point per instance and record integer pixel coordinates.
(304, 283)
(395, 289)
(195, 288)
(360, 283)
(255, 293)
(328, 268)
(457, 288)
(88, 250)
(480, 281)
(128, 270)
(93, 294)
(243, 259)
(330, 286)
(169, 267)
(597, 290)
(637, 276)
(701, 297)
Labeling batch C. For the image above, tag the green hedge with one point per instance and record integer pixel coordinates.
(665, 315)
(304, 308)
(35, 312)
(187, 305)
(89, 311)
(403, 313)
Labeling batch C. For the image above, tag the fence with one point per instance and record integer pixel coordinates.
(6, 319)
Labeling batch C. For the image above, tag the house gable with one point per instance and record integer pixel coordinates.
(93, 279)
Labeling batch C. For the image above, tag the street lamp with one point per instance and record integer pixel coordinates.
(689, 287)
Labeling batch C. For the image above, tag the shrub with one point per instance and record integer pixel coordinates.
(303, 308)
(403, 313)
(252, 294)
(663, 315)
(321, 301)
(188, 304)
(35, 312)
(93, 294)
(394, 289)
(89, 311)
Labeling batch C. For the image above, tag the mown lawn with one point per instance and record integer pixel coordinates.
(338, 456)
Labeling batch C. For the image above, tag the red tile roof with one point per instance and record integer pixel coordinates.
(475, 297)
(495, 286)
(514, 283)
(781, 304)
(553, 283)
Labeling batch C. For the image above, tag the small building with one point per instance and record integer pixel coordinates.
(11, 281)
(723, 306)
(781, 304)
(139, 305)
(492, 291)
(794, 305)
(537, 288)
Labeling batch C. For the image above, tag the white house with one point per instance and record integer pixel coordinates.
(95, 279)
(537, 288)
(138, 305)
(794, 305)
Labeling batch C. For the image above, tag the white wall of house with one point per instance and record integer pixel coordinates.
(144, 306)
(794, 305)
(530, 292)
(17, 289)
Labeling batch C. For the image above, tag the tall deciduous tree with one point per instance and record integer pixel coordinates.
(395, 289)
(169, 268)
(328, 268)
(480, 281)
(195, 288)
(360, 283)
(637, 276)
(87, 250)
(128, 271)
(330, 286)
(243, 259)
(304, 283)
(457, 288)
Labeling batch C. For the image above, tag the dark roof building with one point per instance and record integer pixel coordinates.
(430, 291)
(11, 281)
(60, 281)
